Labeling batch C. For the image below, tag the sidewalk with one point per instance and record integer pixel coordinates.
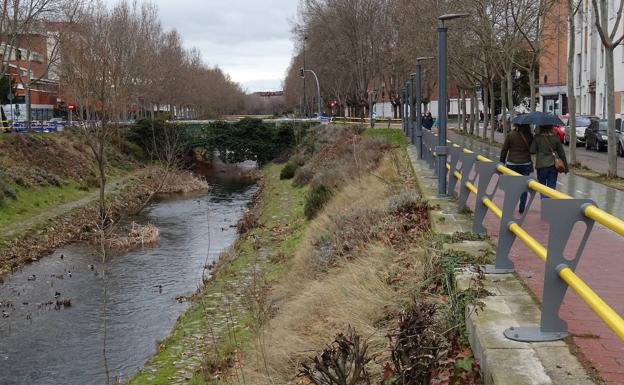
(601, 267)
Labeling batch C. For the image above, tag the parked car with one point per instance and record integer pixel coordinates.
(596, 136)
(560, 130)
(582, 123)
(619, 131)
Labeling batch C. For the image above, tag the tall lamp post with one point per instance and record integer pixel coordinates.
(418, 85)
(409, 110)
(305, 100)
(302, 71)
(442, 149)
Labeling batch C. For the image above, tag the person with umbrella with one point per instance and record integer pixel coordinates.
(516, 154)
(550, 158)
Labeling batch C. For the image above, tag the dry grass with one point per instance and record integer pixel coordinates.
(362, 288)
(138, 236)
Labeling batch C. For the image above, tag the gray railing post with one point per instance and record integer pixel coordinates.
(485, 172)
(454, 158)
(513, 188)
(468, 161)
(562, 214)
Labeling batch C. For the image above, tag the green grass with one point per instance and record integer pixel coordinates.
(393, 136)
(281, 208)
(32, 201)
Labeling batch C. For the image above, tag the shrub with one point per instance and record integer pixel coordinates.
(288, 171)
(315, 200)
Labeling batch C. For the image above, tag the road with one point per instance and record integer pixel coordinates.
(597, 161)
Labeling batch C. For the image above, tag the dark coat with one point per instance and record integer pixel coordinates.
(516, 148)
(427, 122)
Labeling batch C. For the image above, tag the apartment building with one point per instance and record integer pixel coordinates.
(553, 67)
(589, 64)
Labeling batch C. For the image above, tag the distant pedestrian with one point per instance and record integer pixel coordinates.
(481, 116)
(550, 157)
(516, 155)
(427, 121)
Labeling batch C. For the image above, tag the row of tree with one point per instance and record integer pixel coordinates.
(113, 62)
(365, 50)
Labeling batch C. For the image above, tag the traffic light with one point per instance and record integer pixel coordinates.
(301, 73)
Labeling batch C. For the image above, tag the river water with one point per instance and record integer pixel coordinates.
(43, 345)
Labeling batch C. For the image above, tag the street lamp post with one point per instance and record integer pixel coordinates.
(413, 116)
(419, 132)
(409, 110)
(404, 109)
(318, 87)
(442, 149)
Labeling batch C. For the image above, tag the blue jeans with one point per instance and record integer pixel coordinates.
(548, 177)
(523, 169)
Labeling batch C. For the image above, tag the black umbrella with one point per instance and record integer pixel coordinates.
(538, 118)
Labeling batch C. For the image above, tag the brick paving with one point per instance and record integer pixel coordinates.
(601, 267)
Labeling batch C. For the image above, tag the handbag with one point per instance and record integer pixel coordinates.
(559, 163)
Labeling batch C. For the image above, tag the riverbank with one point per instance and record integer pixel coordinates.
(49, 192)
(341, 253)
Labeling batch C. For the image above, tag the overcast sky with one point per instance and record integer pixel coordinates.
(248, 39)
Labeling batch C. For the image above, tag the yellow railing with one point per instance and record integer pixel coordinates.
(602, 309)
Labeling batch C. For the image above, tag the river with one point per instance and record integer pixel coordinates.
(43, 345)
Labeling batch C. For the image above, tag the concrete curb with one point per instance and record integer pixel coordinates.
(509, 304)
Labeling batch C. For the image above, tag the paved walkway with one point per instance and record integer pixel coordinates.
(601, 267)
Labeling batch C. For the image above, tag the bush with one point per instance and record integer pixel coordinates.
(288, 171)
(315, 200)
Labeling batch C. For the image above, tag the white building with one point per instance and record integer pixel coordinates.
(589, 64)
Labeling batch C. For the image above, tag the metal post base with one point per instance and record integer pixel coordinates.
(491, 269)
(533, 334)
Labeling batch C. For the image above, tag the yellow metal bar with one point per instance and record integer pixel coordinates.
(529, 241)
(472, 187)
(604, 311)
(490, 205)
(606, 219)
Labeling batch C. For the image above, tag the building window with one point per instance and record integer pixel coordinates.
(545, 79)
(602, 55)
(18, 54)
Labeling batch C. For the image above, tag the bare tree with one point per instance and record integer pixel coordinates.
(610, 39)
(573, 7)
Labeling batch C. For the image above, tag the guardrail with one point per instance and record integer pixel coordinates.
(471, 173)
(378, 120)
(36, 126)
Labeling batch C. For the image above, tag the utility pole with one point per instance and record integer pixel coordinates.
(442, 148)
(305, 100)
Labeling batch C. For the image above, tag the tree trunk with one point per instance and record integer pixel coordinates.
(486, 113)
(532, 85)
(612, 139)
(492, 110)
(503, 86)
(510, 102)
(463, 114)
(571, 96)
(475, 112)
(459, 114)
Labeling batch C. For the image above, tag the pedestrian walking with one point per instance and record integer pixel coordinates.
(516, 154)
(427, 121)
(550, 159)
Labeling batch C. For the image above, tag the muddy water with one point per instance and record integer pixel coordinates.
(42, 343)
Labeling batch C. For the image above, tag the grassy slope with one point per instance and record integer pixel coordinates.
(393, 136)
(281, 225)
(32, 201)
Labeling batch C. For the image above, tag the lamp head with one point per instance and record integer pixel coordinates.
(451, 16)
(419, 59)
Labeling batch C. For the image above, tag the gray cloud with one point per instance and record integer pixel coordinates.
(248, 39)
